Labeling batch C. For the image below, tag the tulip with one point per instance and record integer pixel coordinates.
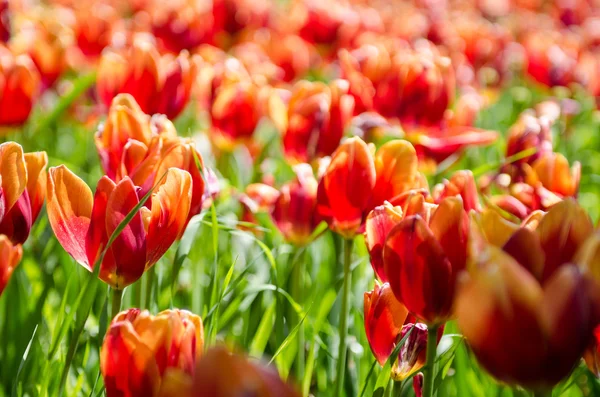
(159, 84)
(19, 87)
(462, 183)
(46, 39)
(316, 117)
(378, 225)
(552, 171)
(384, 321)
(294, 211)
(257, 198)
(94, 28)
(233, 16)
(234, 114)
(319, 22)
(10, 256)
(222, 374)
(521, 331)
(145, 355)
(422, 260)
(83, 223)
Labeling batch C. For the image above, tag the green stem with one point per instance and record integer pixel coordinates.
(429, 371)
(344, 314)
(116, 303)
(149, 283)
(298, 291)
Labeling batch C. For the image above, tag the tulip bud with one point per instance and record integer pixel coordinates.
(317, 115)
(10, 256)
(384, 319)
(20, 89)
(159, 84)
(222, 374)
(418, 385)
(294, 211)
(83, 223)
(144, 354)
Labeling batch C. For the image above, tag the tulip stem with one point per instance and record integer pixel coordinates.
(344, 314)
(116, 302)
(149, 284)
(298, 294)
(429, 371)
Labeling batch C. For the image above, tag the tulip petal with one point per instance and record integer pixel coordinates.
(562, 231)
(13, 175)
(36, 180)
(129, 248)
(378, 224)
(10, 256)
(69, 206)
(450, 226)
(418, 270)
(396, 168)
(97, 237)
(170, 208)
(524, 246)
(17, 221)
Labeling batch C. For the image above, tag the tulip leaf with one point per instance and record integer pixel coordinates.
(291, 335)
(23, 360)
(261, 337)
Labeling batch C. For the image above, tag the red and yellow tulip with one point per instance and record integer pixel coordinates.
(146, 355)
(83, 222)
(10, 256)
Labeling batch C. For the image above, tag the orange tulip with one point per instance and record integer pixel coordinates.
(551, 171)
(23, 184)
(357, 181)
(159, 84)
(83, 222)
(19, 87)
(294, 211)
(222, 374)
(422, 260)
(10, 256)
(316, 117)
(145, 355)
(44, 36)
(234, 113)
(384, 319)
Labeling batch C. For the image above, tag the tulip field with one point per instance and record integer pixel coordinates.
(285, 198)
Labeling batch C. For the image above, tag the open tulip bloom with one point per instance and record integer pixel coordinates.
(83, 222)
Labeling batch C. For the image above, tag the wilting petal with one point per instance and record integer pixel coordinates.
(36, 180)
(497, 314)
(13, 175)
(384, 317)
(69, 204)
(170, 209)
(525, 247)
(450, 226)
(562, 231)
(378, 224)
(129, 248)
(418, 270)
(10, 256)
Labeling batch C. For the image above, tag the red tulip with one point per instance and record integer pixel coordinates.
(83, 223)
(159, 84)
(294, 211)
(19, 87)
(462, 183)
(422, 260)
(10, 256)
(378, 225)
(145, 355)
(316, 117)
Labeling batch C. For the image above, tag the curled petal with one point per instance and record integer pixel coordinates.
(69, 203)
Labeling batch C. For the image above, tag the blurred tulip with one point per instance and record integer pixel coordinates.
(94, 27)
(83, 223)
(159, 84)
(462, 183)
(4, 21)
(384, 319)
(316, 117)
(145, 355)
(10, 256)
(522, 332)
(592, 354)
(19, 87)
(378, 224)
(258, 198)
(552, 171)
(234, 114)
(418, 385)
(294, 211)
(233, 16)
(422, 260)
(319, 22)
(222, 374)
